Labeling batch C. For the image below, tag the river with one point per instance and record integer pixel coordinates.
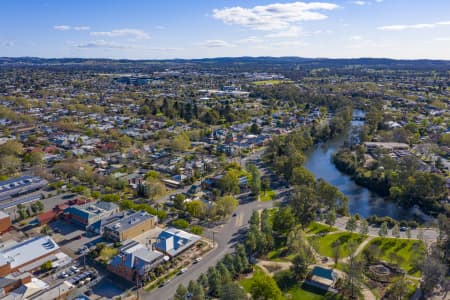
(361, 200)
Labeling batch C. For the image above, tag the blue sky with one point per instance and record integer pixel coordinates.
(140, 29)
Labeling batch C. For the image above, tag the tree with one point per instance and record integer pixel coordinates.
(264, 287)
(11, 147)
(336, 252)
(444, 226)
(408, 233)
(34, 158)
(420, 235)
(46, 266)
(9, 165)
(351, 224)
(397, 290)
(330, 218)
(195, 229)
(304, 204)
(196, 208)
(181, 142)
(232, 291)
(354, 269)
(226, 205)
(178, 201)
(255, 182)
(265, 184)
(433, 273)
(203, 281)
(180, 223)
(364, 227)
(229, 183)
(214, 281)
(196, 290)
(383, 229)
(283, 220)
(299, 267)
(45, 229)
(396, 231)
(255, 129)
(301, 176)
(181, 293)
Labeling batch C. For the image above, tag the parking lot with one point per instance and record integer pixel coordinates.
(71, 238)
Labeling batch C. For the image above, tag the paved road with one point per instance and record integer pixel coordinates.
(430, 235)
(226, 236)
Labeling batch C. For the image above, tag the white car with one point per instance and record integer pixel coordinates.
(74, 269)
(198, 259)
(182, 271)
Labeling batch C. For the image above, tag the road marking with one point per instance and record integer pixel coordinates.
(239, 220)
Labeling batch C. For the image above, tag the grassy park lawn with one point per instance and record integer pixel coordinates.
(317, 228)
(326, 244)
(400, 251)
(280, 254)
(292, 289)
(267, 196)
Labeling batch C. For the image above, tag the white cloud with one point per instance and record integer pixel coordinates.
(288, 44)
(62, 27)
(67, 27)
(442, 39)
(360, 2)
(293, 31)
(101, 44)
(216, 44)
(276, 16)
(81, 28)
(413, 26)
(160, 27)
(136, 33)
(249, 40)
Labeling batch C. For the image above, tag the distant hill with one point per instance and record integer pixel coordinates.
(241, 63)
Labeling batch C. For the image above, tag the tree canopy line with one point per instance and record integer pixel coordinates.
(219, 281)
(401, 180)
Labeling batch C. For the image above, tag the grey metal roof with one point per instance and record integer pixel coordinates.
(27, 251)
(129, 221)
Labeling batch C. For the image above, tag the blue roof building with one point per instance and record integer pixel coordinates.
(134, 261)
(174, 241)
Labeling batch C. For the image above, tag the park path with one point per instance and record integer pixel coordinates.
(359, 249)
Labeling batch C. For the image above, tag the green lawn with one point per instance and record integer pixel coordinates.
(267, 196)
(297, 291)
(326, 244)
(291, 289)
(280, 254)
(317, 228)
(400, 251)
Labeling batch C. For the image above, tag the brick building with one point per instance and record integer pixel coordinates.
(28, 255)
(129, 226)
(5, 221)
